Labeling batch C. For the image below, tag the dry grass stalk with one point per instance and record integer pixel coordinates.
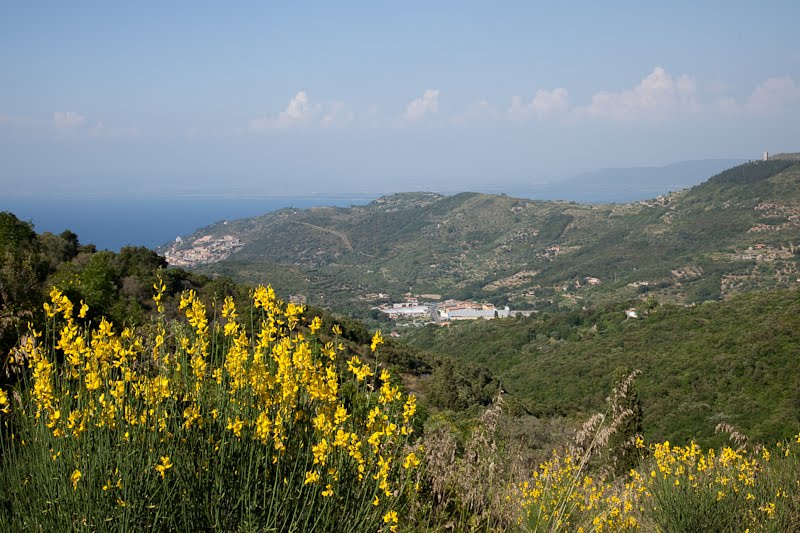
(588, 431)
(479, 466)
(440, 455)
(592, 439)
(739, 439)
(480, 480)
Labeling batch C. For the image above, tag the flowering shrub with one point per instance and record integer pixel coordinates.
(203, 423)
(700, 490)
(677, 488)
(562, 497)
(200, 423)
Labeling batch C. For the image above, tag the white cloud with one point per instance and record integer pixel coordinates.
(298, 113)
(422, 107)
(774, 94)
(657, 96)
(548, 102)
(68, 120)
(543, 104)
(69, 124)
(77, 126)
(298, 110)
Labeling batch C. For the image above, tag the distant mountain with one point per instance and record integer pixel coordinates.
(736, 232)
(619, 185)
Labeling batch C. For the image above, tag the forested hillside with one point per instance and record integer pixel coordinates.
(731, 362)
(734, 233)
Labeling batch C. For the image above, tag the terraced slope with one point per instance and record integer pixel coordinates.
(736, 232)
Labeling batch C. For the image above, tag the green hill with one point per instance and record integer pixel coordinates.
(732, 362)
(734, 233)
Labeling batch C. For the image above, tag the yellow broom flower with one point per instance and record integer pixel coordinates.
(75, 477)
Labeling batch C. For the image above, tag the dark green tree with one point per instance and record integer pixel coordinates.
(21, 272)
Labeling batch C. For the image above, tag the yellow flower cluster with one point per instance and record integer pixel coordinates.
(360, 370)
(5, 405)
(730, 471)
(74, 478)
(163, 466)
(272, 386)
(390, 518)
(377, 340)
(560, 497)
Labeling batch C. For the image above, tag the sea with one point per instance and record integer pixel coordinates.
(111, 223)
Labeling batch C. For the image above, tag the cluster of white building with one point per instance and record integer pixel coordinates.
(456, 310)
(446, 311)
(407, 310)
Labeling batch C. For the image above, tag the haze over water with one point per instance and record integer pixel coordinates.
(110, 223)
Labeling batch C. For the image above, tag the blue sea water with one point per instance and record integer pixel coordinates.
(111, 223)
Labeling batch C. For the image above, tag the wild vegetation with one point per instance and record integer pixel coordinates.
(734, 233)
(202, 422)
(115, 285)
(138, 396)
(731, 362)
(197, 424)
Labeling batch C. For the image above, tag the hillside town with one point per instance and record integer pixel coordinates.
(414, 309)
(203, 250)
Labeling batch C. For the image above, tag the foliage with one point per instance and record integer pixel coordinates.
(21, 271)
(562, 496)
(690, 246)
(480, 486)
(465, 482)
(679, 488)
(116, 285)
(195, 424)
(203, 423)
(731, 361)
(752, 172)
(458, 385)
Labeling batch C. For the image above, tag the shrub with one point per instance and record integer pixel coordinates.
(196, 424)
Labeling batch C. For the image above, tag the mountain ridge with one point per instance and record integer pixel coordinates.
(630, 184)
(734, 232)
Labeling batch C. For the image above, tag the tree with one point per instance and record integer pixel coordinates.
(21, 271)
(57, 249)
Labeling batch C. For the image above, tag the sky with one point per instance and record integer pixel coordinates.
(113, 99)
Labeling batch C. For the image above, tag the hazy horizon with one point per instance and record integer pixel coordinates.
(111, 222)
(522, 188)
(283, 101)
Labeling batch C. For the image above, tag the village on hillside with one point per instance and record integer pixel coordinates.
(202, 250)
(416, 309)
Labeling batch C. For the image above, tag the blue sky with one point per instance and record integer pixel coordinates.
(275, 98)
